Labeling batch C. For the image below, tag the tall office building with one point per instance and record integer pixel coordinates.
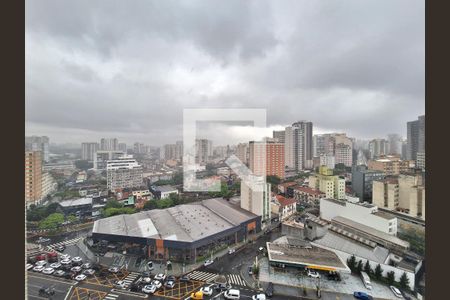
(88, 151)
(415, 138)
(362, 181)
(38, 143)
(109, 144)
(395, 143)
(378, 147)
(139, 148)
(279, 135)
(33, 177)
(179, 150)
(101, 158)
(267, 158)
(123, 172)
(203, 151)
(298, 143)
(337, 145)
(242, 152)
(123, 147)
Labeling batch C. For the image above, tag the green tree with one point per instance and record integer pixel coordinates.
(164, 203)
(53, 221)
(112, 211)
(113, 204)
(390, 277)
(367, 268)
(404, 281)
(359, 267)
(151, 204)
(71, 218)
(378, 273)
(351, 263)
(273, 179)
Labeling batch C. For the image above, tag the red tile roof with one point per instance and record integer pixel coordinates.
(309, 190)
(285, 201)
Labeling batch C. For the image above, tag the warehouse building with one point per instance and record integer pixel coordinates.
(182, 233)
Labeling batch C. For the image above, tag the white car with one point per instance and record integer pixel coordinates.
(261, 249)
(313, 274)
(208, 262)
(232, 294)
(169, 284)
(65, 256)
(149, 289)
(76, 269)
(86, 265)
(206, 290)
(113, 269)
(29, 267)
(38, 268)
(77, 259)
(259, 297)
(121, 285)
(231, 251)
(80, 277)
(65, 261)
(146, 279)
(59, 273)
(40, 263)
(55, 265)
(48, 271)
(396, 292)
(157, 284)
(160, 277)
(89, 272)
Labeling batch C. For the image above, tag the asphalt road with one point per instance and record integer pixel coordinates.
(36, 280)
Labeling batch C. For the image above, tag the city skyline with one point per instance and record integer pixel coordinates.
(91, 74)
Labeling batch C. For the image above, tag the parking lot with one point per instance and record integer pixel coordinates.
(103, 277)
(181, 290)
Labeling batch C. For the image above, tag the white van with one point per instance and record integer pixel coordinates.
(232, 294)
(366, 280)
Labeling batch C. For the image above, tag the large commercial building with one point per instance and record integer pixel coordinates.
(33, 177)
(362, 179)
(415, 138)
(123, 172)
(267, 158)
(390, 165)
(358, 212)
(88, 151)
(101, 157)
(38, 143)
(257, 201)
(332, 185)
(182, 233)
(299, 145)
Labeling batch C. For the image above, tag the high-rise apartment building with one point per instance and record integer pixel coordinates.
(33, 177)
(334, 144)
(123, 147)
(389, 164)
(362, 180)
(179, 150)
(101, 158)
(327, 160)
(203, 151)
(332, 185)
(279, 135)
(267, 158)
(38, 143)
(385, 193)
(298, 143)
(378, 147)
(242, 152)
(123, 172)
(109, 144)
(257, 202)
(395, 144)
(88, 150)
(415, 138)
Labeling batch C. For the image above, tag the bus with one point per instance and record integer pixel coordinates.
(366, 280)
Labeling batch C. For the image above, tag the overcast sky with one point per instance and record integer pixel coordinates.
(127, 69)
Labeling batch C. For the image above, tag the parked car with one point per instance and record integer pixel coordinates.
(169, 284)
(52, 257)
(150, 265)
(396, 292)
(46, 291)
(250, 270)
(149, 289)
(59, 273)
(89, 272)
(38, 268)
(86, 266)
(121, 285)
(77, 260)
(76, 269)
(41, 263)
(157, 284)
(313, 274)
(160, 277)
(146, 274)
(80, 277)
(29, 267)
(197, 295)
(261, 249)
(208, 262)
(66, 261)
(55, 265)
(269, 290)
(113, 269)
(48, 271)
(232, 294)
(60, 248)
(65, 256)
(171, 277)
(259, 297)
(333, 275)
(146, 280)
(231, 251)
(206, 290)
(184, 278)
(40, 257)
(362, 296)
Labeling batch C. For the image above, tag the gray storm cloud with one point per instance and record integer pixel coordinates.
(127, 69)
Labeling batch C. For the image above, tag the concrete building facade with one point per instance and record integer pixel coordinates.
(123, 172)
(257, 202)
(242, 152)
(333, 186)
(390, 165)
(101, 158)
(267, 158)
(88, 151)
(378, 147)
(33, 177)
(415, 137)
(362, 179)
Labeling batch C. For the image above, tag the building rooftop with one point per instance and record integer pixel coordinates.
(371, 231)
(287, 250)
(188, 222)
(165, 188)
(309, 190)
(384, 215)
(285, 201)
(76, 202)
(286, 184)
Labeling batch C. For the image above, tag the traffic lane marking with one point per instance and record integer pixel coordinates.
(37, 297)
(51, 279)
(39, 286)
